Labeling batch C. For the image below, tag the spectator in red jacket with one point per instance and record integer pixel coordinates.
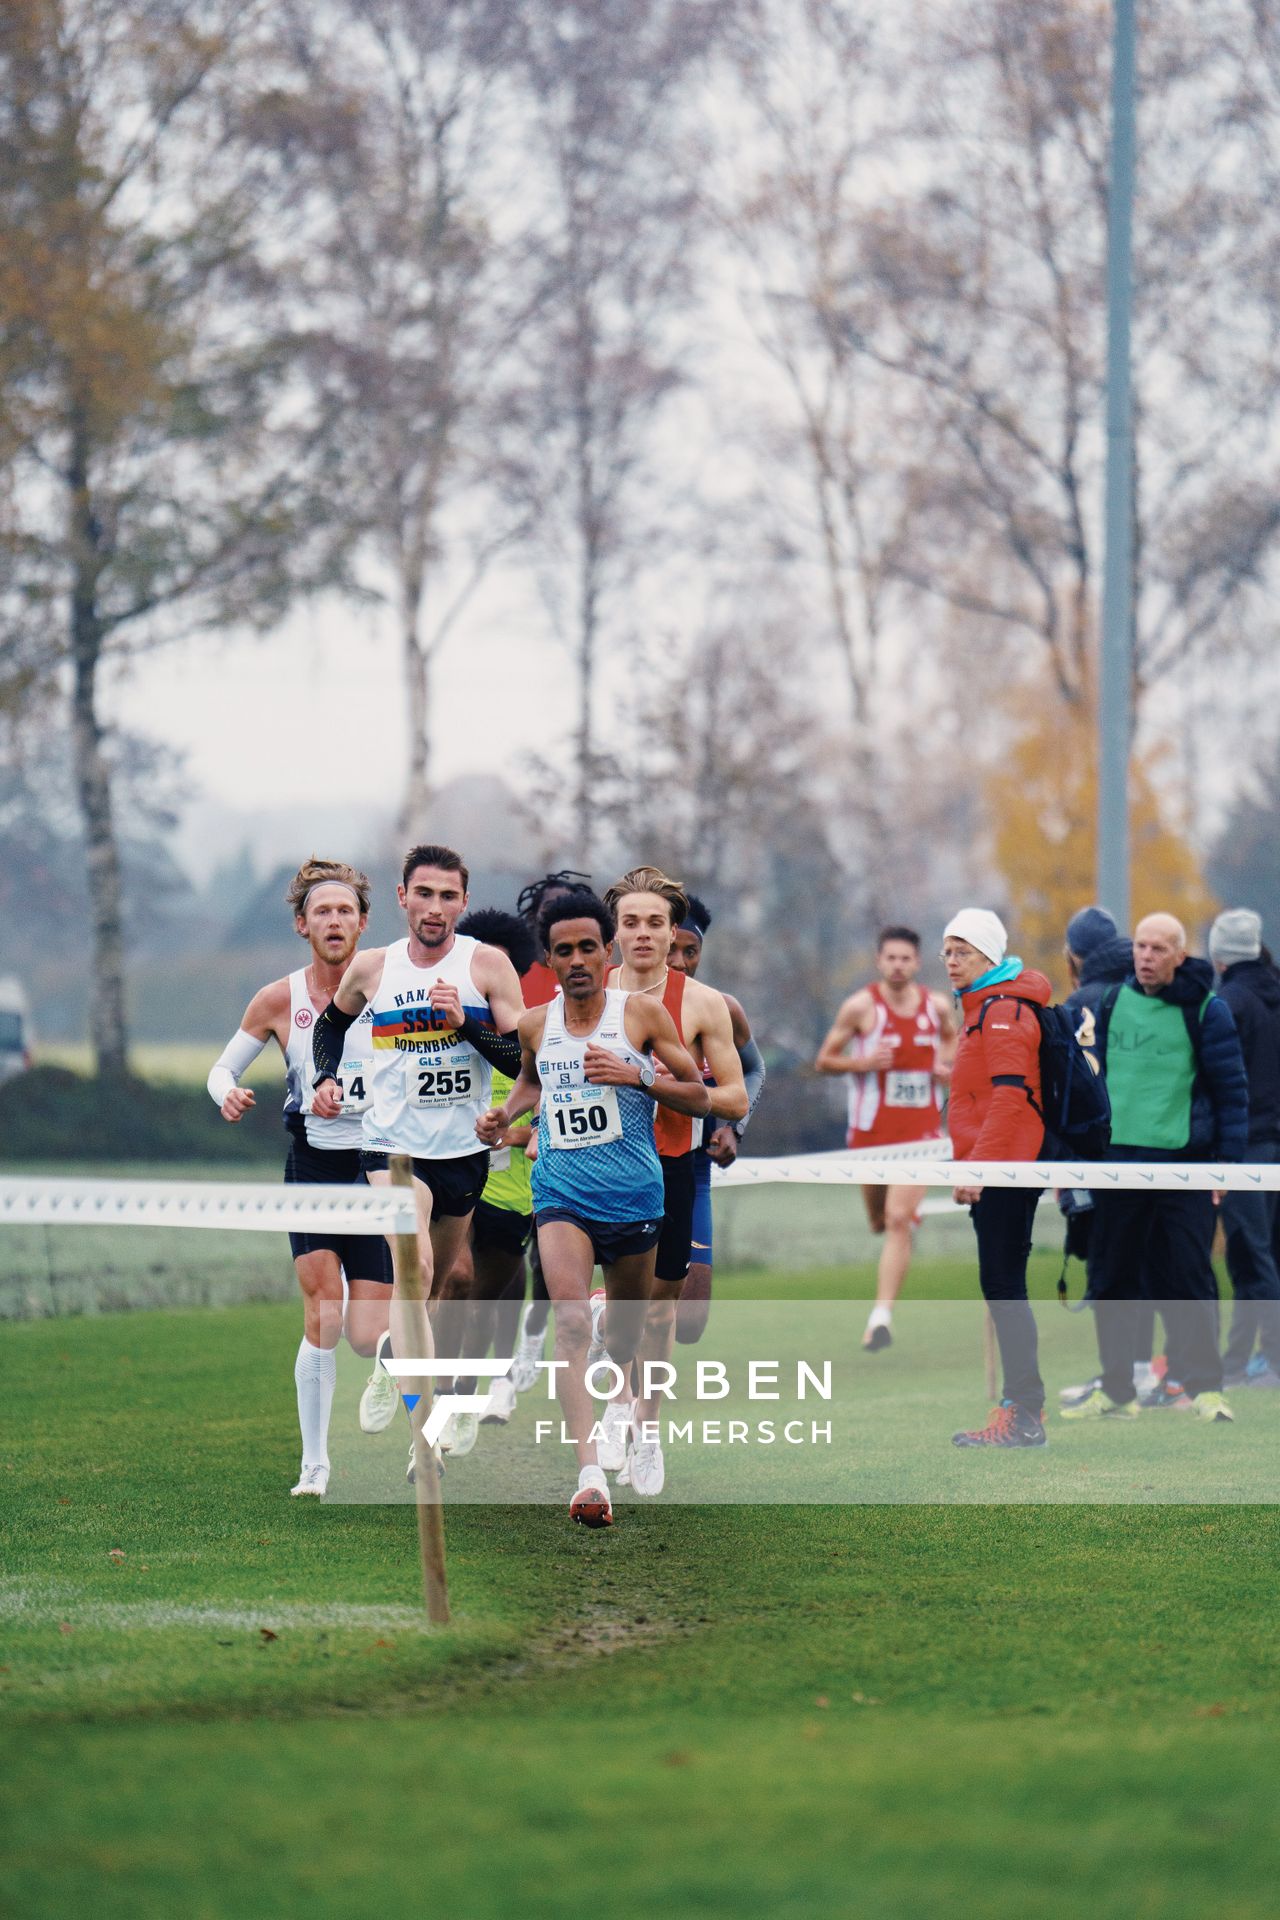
(994, 1114)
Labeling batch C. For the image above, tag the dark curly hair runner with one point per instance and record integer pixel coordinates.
(497, 928)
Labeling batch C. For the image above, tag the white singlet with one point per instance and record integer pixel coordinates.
(355, 1074)
(430, 1086)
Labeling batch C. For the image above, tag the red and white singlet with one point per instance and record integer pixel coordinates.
(901, 1104)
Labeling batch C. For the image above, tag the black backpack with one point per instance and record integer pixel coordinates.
(1074, 1103)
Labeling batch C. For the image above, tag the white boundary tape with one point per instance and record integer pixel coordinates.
(253, 1208)
(182, 1203)
(904, 1167)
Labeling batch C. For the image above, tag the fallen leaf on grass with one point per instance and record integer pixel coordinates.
(267, 1634)
(116, 1554)
(64, 1626)
(822, 1701)
(677, 1759)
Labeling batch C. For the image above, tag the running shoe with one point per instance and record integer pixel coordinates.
(1212, 1406)
(1009, 1426)
(1072, 1396)
(1099, 1406)
(501, 1404)
(461, 1431)
(312, 1480)
(596, 1350)
(877, 1339)
(648, 1469)
(1165, 1393)
(615, 1428)
(380, 1399)
(591, 1504)
(528, 1351)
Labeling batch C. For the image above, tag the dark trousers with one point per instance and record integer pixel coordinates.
(1249, 1223)
(1166, 1239)
(1002, 1221)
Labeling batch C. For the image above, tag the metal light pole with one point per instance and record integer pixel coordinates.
(1115, 698)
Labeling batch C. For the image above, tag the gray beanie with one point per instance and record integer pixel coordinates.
(1235, 935)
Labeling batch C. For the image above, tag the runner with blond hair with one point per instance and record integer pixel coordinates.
(330, 904)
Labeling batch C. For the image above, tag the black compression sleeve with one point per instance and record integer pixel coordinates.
(326, 1041)
(501, 1050)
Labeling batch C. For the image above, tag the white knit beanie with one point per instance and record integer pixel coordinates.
(982, 929)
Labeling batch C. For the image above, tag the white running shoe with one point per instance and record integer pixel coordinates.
(648, 1469)
(461, 1432)
(615, 1429)
(313, 1480)
(591, 1504)
(597, 1301)
(380, 1398)
(500, 1406)
(524, 1372)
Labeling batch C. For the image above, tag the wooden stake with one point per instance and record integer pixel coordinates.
(413, 1338)
(990, 1355)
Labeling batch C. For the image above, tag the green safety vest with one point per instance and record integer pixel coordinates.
(1151, 1069)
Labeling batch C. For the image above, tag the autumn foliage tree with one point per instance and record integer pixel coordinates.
(1041, 799)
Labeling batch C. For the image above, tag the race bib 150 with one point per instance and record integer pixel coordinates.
(582, 1116)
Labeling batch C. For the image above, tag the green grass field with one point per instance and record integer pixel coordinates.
(216, 1701)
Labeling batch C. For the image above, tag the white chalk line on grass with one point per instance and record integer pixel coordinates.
(45, 1604)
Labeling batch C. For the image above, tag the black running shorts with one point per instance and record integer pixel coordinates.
(680, 1190)
(456, 1185)
(364, 1256)
(500, 1228)
(610, 1239)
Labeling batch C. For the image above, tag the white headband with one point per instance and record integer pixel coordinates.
(315, 888)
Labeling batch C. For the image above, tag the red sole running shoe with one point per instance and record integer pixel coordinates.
(591, 1506)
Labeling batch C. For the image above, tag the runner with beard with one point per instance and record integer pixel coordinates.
(896, 1041)
(444, 1013)
(330, 902)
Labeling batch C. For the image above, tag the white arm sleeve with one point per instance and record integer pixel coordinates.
(239, 1053)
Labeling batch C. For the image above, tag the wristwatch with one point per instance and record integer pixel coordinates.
(647, 1075)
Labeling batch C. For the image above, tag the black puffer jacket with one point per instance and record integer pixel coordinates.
(1252, 991)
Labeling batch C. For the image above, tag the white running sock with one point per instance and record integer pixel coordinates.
(879, 1317)
(315, 1373)
(592, 1476)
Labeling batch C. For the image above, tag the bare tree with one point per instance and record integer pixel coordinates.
(606, 79)
(156, 454)
(392, 128)
(841, 440)
(989, 281)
